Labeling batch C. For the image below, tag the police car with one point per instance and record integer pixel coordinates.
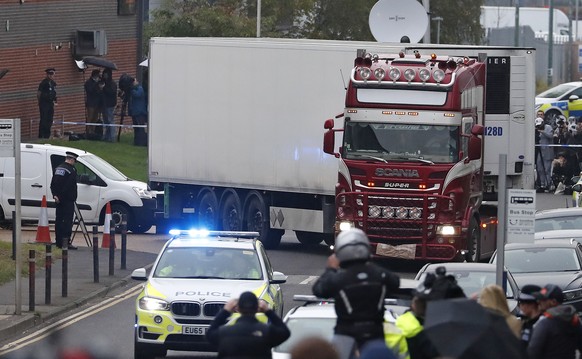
(316, 317)
(564, 99)
(194, 275)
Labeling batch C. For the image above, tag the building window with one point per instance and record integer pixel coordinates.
(125, 7)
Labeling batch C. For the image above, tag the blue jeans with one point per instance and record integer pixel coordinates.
(109, 133)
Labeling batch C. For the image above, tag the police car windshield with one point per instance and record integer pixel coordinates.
(104, 168)
(557, 91)
(387, 142)
(209, 262)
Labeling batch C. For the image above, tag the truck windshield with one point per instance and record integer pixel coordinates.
(104, 168)
(401, 142)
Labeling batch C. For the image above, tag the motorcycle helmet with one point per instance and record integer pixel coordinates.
(352, 245)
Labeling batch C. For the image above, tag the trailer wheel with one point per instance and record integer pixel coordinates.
(474, 241)
(231, 212)
(257, 220)
(309, 238)
(208, 211)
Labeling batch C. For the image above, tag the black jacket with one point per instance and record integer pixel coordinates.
(64, 183)
(557, 334)
(247, 338)
(48, 92)
(359, 289)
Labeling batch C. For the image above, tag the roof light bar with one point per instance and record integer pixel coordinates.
(206, 233)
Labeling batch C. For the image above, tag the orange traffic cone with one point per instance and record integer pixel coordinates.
(107, 228)
(43, 234)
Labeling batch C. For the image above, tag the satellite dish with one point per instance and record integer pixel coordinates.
(391, 20)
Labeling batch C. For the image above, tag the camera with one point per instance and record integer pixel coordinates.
(125, 84)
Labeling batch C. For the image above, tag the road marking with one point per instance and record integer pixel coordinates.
(309, 279)
(65, 322)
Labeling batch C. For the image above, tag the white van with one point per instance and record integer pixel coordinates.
(98, 182)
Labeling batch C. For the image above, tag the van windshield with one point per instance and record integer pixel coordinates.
(103, 167)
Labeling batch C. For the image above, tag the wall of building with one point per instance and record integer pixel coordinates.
(37, 34)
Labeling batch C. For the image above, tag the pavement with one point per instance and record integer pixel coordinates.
(81, 286)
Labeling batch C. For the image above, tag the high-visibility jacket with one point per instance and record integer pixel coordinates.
(407, 326)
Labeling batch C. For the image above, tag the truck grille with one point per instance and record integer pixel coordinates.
(394, 220)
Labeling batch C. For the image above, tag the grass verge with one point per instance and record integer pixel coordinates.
(8, 265)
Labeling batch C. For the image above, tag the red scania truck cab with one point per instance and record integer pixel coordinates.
(412, 157)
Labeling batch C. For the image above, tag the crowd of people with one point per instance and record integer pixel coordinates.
(545, 327)
(558, 153)
(101, 101)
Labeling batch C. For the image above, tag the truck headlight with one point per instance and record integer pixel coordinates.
(149, 303)
(448, 230)
(344, 226)
(143, 193)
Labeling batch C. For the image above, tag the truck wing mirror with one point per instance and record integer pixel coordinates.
(329, 142)
(474, 147)
(477, 130)
(329, 124)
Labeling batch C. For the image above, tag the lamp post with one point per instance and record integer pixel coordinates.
(258, 18)
(551, 44)
(438, 19)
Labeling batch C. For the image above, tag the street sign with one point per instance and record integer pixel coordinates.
(6, 138)
(521, 209)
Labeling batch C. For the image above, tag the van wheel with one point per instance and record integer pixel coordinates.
(117, 212)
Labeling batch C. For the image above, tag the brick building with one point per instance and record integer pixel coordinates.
(37, 34)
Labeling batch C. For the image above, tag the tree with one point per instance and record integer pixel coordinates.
(316, 19)
(460, 24)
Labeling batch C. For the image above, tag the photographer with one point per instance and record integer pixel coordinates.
(135, 99)
(358, 286)
(93, 105)
(544, 155)
(563, 169)
(561, 133)
(247, 337)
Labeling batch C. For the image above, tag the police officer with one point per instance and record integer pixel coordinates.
(247, 337)
(358, 287)
(47, 98)
(64, 190)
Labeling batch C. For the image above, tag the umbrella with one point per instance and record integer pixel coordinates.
(100, 62)
(463, 329)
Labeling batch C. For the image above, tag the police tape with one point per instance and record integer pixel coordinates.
(558, 145)
(97, 124)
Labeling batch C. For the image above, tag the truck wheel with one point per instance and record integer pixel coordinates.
(257, 220)
(117, 212)
(139, 228)
(474, 241)
(208, 211)
(309, 238)
(231, 213)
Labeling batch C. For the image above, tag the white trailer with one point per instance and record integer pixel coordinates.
(236, 130)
